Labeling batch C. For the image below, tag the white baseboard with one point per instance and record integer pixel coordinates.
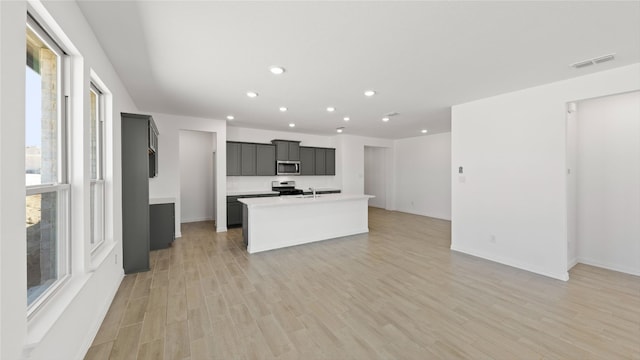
(572, 263)
(613, 267)
(564, 276)
(190, 220)
(439, 217)
(178, 234)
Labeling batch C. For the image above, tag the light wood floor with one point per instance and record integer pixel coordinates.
(395, 293)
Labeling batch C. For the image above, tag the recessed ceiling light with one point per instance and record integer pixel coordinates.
(252, 94)
(339, 130)
(385, 119)
(346, 118)
(283, 108)
(292, 125)
(230, 117)
(276, 70)
(424, 131)
(331, 109)
(369, 93)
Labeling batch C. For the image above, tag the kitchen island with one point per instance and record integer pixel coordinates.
(276, 222)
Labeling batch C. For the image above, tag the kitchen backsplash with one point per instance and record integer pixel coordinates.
(251, 183)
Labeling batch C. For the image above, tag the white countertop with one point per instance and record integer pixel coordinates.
(250, 192)
(162, 200)
(299, 200)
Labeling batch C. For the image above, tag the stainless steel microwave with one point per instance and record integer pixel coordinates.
(288, 167)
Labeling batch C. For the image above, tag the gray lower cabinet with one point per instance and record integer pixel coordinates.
(135, 192)
(162, 225)
(307, 160)
(266, 160)
(234, 208)
(234, 211)
(234, 159)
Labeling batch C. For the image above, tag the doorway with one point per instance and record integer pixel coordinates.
(375, 175)
(603, 184)
(197, 190)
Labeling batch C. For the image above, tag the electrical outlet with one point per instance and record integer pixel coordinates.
(412, 203)
(492, 239)
(116, 258)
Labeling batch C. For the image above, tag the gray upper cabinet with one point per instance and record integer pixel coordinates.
(266, 158)
(248, 162)
(253, 159)
(330, 162)
(250, 159)
(234, 159)
(307, 160)
(320, 161)
(287, 150)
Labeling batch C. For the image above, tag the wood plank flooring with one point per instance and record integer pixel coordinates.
(397, 292)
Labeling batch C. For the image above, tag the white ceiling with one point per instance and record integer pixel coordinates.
(200, 58)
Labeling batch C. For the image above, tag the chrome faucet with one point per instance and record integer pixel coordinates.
(314, 192)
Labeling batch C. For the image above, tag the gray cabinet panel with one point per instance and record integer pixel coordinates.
(266, 160)
(248, 159)
(282, 150)
(162, 225)
(307, 161)
(294, 151)
(135, 193)
(287, 150)
(320, 161)
(330, 162)
(234, 214)
(234, 151)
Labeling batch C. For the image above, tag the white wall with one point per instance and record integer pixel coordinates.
(510, 205)
(196, 175)
(423, 185)
(375, 176)
(167, 183)
(262, 183)
(66, 326)
(608, 182)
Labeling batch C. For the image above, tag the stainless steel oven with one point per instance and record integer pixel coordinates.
(288, 167)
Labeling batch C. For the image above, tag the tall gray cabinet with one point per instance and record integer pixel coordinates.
(135, 192)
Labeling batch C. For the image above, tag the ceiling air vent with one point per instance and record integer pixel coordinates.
(602, 59)
(593, 61)
(582, 64)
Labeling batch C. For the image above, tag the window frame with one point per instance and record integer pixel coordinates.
(61, 186)
(99, 180)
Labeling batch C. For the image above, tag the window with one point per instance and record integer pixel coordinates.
(47, 188)
(96, 118)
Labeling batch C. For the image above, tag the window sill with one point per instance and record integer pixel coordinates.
(43, 320)
(101, 254)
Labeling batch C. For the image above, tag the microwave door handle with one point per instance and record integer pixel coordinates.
(297, 168)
